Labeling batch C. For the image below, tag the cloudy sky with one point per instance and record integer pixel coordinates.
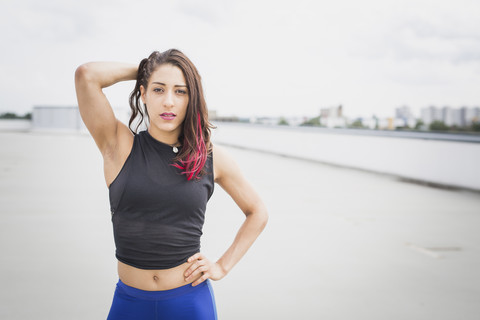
(257, 58)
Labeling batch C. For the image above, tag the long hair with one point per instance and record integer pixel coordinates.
(195, 134)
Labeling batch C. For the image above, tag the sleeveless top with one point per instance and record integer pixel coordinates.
(157, 214)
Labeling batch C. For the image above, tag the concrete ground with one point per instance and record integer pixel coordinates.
(340, 243)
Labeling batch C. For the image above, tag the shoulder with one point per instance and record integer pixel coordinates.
(223, 162)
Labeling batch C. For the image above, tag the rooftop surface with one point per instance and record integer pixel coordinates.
(340, 243)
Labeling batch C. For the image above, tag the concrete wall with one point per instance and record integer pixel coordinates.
(451, 163)
(15, 124)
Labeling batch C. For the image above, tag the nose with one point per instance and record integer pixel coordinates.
(168, 102)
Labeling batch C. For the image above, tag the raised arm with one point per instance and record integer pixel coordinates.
(96, 112)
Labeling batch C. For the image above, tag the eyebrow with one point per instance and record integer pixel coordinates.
(163, 84)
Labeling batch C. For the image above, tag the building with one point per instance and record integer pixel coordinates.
(57, 118)
(403, 112)
(460, 117)
(404, 118)
(471, 115)
(66, 118)
(332, 117)
(431, 114)
(452, 117)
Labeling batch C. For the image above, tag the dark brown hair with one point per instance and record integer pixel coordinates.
(195, 134)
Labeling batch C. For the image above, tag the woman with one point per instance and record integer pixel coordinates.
(159, 181)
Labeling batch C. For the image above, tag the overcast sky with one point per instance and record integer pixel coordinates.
(255, 57)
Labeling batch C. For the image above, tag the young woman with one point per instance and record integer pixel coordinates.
(159, 181)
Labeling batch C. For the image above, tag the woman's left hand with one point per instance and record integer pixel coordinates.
(202, 265)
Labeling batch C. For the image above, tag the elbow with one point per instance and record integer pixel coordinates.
(83, 74)
(264, 219)
(261, 215)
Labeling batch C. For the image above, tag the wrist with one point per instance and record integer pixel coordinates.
(223, 269)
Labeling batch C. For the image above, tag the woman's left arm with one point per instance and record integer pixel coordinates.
(229, 177)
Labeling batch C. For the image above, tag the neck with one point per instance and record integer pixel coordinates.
(170, 138)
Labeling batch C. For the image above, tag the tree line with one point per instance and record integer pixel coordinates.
(13, 115)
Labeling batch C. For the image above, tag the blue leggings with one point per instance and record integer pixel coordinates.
(186, 302)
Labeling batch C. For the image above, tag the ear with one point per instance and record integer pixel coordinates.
(142, 93)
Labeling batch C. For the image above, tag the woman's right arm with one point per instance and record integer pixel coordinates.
(96, 112)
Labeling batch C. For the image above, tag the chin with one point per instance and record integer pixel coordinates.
(167, 127)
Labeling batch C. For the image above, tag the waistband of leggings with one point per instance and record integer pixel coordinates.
(159, 295)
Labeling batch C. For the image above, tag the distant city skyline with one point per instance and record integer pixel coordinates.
(262, 58)
(451, 116)
(432, 119)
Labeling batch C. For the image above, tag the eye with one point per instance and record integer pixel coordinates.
(180, 91)
(157, 90)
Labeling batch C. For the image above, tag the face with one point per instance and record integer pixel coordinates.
(166, 98)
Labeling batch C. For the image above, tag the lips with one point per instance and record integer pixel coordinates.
(168, 116)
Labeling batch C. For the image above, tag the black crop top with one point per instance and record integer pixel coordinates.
(157, 214)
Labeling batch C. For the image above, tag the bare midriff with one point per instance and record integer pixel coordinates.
(154, 280)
